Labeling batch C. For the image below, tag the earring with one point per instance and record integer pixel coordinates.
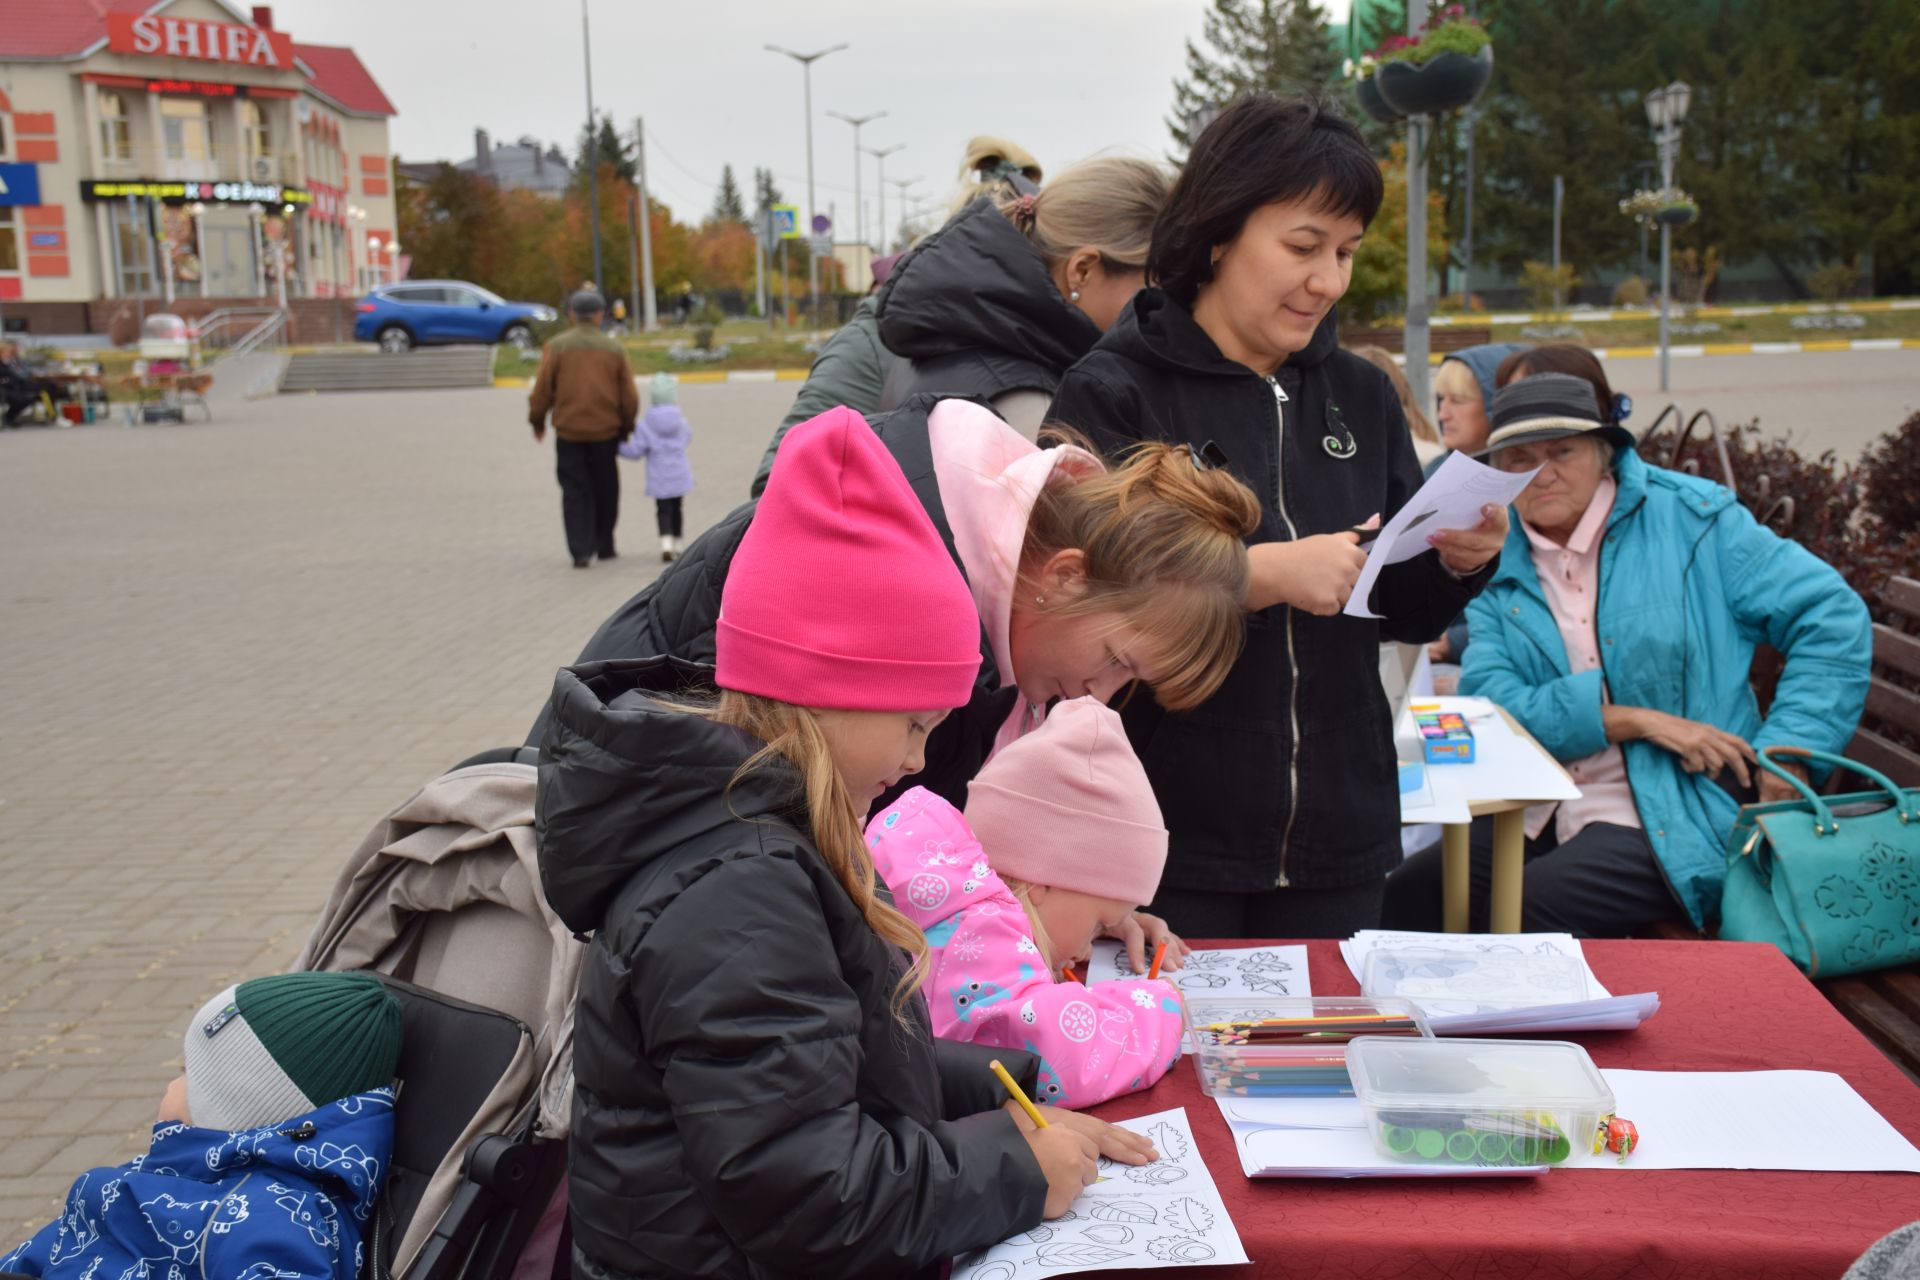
(1074, 296)
(1039, 599)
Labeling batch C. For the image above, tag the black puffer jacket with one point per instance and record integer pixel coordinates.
(972, 311)
(676, 613)
(745, 1102)
(1286, 775)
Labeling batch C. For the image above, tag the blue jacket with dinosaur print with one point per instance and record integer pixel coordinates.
(289, 1202)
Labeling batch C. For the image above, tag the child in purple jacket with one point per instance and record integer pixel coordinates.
(661, 437)
(1060, 842)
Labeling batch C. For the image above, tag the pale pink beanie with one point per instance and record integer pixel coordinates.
(1069, 805)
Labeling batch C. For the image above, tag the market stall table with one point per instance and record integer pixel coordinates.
(1724, 1006)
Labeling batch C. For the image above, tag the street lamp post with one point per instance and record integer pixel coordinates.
(593, 150)
(901, 185)
(881, 154)
(1666, 109)
(859, 226)
(806, 61)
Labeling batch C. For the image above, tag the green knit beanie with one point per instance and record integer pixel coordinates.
(270, 1049)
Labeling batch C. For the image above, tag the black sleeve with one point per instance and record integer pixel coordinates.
(968, 1085)
(1416, 598)
(756, 1032)
(1097, 410)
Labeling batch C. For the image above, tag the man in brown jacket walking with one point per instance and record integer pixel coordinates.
(587, 385)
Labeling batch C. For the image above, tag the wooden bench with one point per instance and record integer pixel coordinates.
(1439, 341)
(1885, 1003)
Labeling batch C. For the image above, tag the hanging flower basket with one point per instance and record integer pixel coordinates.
(1373, 104)
(1669, 205)
(1443, 82)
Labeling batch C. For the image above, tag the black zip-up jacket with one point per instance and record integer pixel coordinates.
(1286, 776)
(675, 615)
(746, 1104)
(972, 311)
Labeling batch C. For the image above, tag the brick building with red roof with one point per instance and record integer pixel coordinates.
(183, 152)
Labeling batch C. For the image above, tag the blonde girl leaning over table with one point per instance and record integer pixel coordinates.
(758, 1090)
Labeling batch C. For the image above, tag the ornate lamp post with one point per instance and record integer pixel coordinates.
(1666, 109)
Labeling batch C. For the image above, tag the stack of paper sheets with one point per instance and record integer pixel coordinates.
(1685, 1119)
(1591, 1007)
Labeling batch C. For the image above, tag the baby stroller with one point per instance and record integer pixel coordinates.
(443, 899)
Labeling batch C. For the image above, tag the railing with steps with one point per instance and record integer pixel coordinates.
(429, 368)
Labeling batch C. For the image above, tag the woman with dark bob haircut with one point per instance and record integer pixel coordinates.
(1280, 791)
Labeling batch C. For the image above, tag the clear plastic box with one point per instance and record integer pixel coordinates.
(1444, 981)
(1478, 1102)
(1287, 1046)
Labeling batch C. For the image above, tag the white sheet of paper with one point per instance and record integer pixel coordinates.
(1751, 1120)
(1450, 499)
(1165, 1214)
(1251, 973)
(1326, 1138)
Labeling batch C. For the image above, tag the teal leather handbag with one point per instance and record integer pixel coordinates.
(1833, 881)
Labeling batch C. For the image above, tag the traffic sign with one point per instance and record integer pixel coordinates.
(785, 221)
(822, 224)
(821, 246)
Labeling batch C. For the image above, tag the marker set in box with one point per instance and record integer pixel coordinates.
(1445, 737)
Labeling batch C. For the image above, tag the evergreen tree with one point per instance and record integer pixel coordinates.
(1254, 46)
(727, 205)
(765, 194)
(605, 147)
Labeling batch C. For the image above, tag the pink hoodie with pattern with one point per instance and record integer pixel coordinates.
(989, 982)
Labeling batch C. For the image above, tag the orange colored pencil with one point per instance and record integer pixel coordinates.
(1159, 954)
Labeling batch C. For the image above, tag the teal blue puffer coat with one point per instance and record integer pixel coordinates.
(1690, 583)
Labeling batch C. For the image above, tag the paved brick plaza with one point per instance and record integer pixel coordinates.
(228, 650)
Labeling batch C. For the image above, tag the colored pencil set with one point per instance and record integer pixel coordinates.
(1291, 1057)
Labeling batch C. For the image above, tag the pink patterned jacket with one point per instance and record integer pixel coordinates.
(989, 982)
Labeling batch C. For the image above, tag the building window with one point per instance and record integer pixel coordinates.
(9, 241)
(116, 136)
(189, 145)
(259, 141)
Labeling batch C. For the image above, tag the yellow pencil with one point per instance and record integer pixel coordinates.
(1018, 1094)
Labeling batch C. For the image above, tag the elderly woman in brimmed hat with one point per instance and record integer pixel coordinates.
(1619, 629)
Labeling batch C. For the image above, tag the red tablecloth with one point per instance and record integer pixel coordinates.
(1724, 1006)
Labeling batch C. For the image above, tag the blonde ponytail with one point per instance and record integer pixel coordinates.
(1108, 203)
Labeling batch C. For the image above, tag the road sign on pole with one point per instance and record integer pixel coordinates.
(783, 220)
(821, 246)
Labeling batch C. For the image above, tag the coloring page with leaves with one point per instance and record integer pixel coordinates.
(1165, 1214)
(1237, 973)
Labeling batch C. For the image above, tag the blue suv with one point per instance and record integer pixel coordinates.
(418, 312)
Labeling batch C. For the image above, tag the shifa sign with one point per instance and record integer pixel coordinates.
(157, 36)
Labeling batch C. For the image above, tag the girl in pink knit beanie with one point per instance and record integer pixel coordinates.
(1061, 841)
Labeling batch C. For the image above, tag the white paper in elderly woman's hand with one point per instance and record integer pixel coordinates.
(1450, 499)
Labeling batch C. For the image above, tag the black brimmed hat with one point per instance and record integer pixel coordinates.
(1548, 406)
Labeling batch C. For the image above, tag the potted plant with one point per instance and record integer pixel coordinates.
(1367, 92)
(1442, 70)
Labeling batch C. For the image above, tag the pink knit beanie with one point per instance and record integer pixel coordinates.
(841, 593)
(1069, 805)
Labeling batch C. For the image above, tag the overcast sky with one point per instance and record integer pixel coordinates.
(1064, 78)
